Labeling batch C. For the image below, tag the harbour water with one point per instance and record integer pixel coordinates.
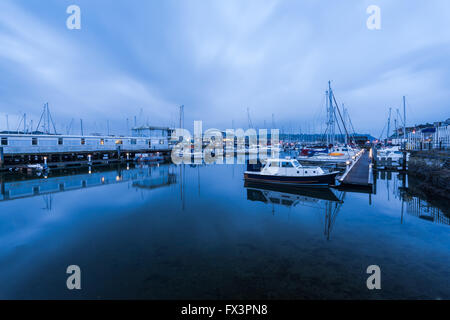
(197, 232)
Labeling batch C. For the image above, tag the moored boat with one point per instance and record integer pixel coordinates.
(290, 172)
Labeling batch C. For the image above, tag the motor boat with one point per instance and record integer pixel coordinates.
(289, 172)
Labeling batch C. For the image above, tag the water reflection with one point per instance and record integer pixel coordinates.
(413, 202)
(202, 232)
(141, 176)
(326, 200)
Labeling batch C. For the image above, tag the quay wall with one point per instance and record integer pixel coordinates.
(430, 170)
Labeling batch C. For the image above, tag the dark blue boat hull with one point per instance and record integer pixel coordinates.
(321, 180)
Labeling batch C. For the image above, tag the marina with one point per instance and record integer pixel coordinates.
(170, 232)
(224, 159)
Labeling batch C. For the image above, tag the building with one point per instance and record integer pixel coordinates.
(157, 136)
(19, 149)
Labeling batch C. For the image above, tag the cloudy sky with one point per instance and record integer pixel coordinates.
(220, 57)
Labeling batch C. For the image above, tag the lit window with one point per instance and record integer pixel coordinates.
(161, 141)
(102, 141)
(119, 141)
(83, 141)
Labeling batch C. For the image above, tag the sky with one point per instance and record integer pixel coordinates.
(222, 60)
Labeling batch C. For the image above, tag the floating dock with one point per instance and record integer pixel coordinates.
(359, 174)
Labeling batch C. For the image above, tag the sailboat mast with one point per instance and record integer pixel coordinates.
(404, 117)
(331, 114)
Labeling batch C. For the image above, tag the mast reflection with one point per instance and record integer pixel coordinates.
(321, 198)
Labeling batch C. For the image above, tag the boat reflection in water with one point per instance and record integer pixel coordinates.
(141, 176)
(325, 199)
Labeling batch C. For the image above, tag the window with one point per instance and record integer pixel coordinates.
(287, 165)
(274, 164)
(102, 141)
(4, 141)
(133, 141)
(60, 141)
(83, 141)
(149, 142)
(161, 141)
(34, 141)
(119, 141)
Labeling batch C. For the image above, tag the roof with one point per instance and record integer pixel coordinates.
(150, 128)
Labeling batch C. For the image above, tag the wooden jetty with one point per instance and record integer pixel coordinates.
(359, 174)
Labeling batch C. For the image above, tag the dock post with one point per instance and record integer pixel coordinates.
(404, 160)
(2, 159)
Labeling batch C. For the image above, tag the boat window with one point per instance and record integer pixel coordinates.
(4, 141)
(119, 141)
(83, 141)
(60, 141)
(102, 141)
(295, 162)
(34, 141)
(287, 165)
(274, 164)
(133, 141)
(306, 171)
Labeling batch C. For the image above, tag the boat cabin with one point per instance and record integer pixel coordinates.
(289, 167)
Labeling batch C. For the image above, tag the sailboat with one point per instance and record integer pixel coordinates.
(332, 152)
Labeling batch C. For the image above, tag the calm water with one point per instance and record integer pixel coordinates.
(164, 232)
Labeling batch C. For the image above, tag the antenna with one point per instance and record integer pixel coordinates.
(81, 127)
(250, 124)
